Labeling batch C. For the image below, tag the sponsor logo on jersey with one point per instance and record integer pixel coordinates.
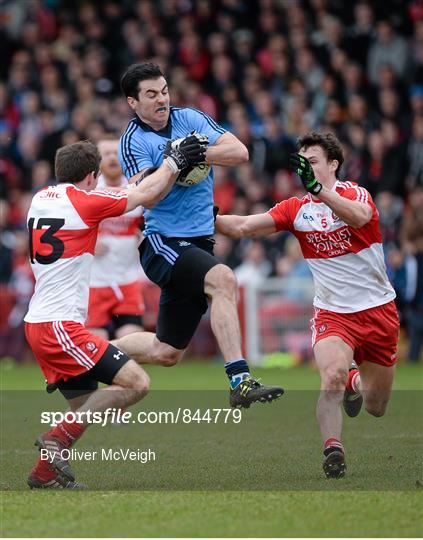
(332, 243)
(308, 217)
(50, 195)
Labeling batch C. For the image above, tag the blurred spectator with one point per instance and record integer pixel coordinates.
(255, 267)
(402, 271)
(415, 318)
(224, 190)
(390, 215)
(292, 263)
(415, 154)
(389, 48)
(412, 236)
(6, 244)
(361, 33)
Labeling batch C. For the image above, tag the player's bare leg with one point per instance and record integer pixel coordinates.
(333, 358)
(120, 332)
(145, 348)
(372, 382)
(376, 385)
(220, 286)
(129, 385)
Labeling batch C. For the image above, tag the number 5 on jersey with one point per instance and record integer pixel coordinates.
(44, 246)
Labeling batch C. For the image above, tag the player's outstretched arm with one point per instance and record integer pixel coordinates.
(152, 188)
(227, 150)
(149, 190)
(240, 226)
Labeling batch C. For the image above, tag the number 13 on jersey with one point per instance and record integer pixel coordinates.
(44, 246)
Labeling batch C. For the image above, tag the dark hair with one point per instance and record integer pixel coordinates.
(328, 142)
(136, 73)
(74, 161)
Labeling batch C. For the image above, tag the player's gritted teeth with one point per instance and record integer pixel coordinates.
(161, 110)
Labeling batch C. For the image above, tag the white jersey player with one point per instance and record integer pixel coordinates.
(337, 225)
(63, 223)
(116, 303)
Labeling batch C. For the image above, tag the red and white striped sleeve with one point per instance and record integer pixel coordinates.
(94, 206)
(284, 213)
(354, 192)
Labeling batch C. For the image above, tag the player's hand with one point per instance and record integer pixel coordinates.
(200, 137)
(190, 151)
(301, 165)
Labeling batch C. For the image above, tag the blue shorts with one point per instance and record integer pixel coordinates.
(178, 266)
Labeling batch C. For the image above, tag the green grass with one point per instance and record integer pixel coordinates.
(229, 514)
(259, 478)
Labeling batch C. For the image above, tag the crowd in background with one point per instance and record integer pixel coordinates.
(268, 70)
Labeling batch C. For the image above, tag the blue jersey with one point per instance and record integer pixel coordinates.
(185, 211)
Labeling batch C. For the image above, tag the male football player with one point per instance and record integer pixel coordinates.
(337, 225)
(177, 252)
(63, 224)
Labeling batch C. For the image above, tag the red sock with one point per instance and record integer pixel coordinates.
(67, 432)
(334, 442)
(44, 470)
(352, 377)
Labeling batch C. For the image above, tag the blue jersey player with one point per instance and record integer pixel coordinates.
(177, 252)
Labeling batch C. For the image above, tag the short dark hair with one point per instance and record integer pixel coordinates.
(74, 161)
(136, 73)
(330, 145)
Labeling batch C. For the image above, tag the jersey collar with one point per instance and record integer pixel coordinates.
(164, 132)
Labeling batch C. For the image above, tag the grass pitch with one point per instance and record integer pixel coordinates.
(260, 478)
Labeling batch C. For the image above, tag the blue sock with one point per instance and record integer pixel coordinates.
(236, 370)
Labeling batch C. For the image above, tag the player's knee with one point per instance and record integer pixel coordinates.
(375, 411)
(140, 386)
(221, 280)
(230, 283)
(376, 408)
(171, 358)
(134, 380)
(335, 378)
(166, 355)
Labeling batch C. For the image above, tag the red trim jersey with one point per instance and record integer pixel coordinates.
(120, 265)
(63, 224)
(347, 263)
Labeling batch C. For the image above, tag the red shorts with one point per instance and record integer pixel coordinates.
(105, 302)
(371, 333)
(64, 349)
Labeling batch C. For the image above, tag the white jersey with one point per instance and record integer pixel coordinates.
(347, 263)
(120, 235)
(63, 225)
